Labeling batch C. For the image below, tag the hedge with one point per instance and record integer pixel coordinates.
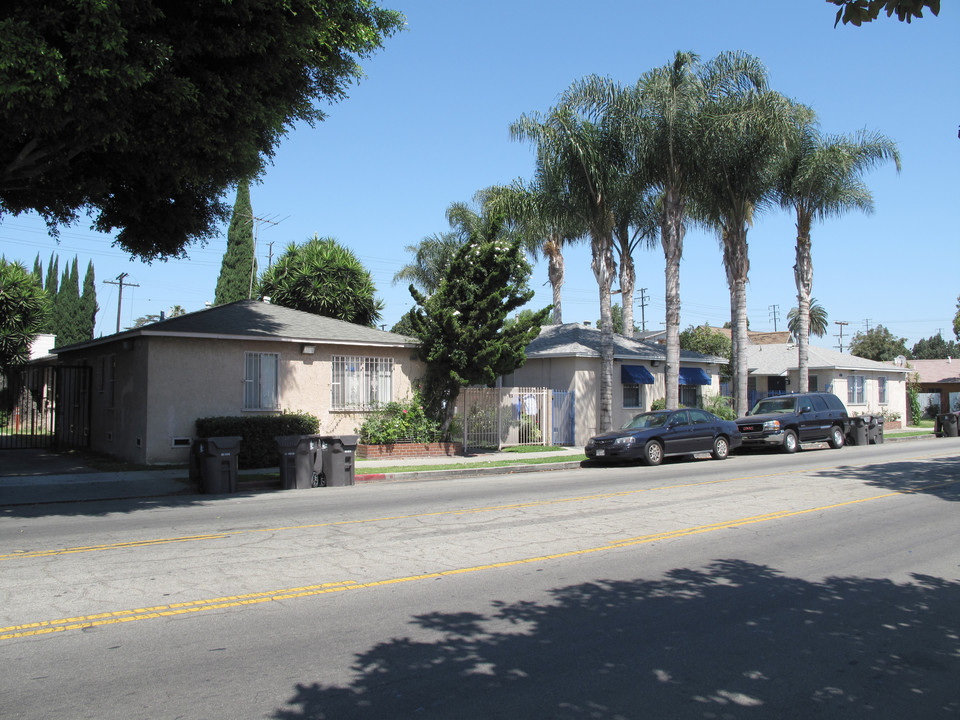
(259, 447)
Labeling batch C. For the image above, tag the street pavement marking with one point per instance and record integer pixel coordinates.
(26, 554)
(45, 627)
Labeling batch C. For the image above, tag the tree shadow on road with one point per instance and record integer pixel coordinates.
(732, 640)
(939, 477)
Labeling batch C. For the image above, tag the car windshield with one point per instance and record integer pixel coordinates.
(647, 420)
(768, 406)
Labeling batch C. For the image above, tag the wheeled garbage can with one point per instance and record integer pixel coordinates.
(858, 430)
(297, 458)
(218, 464)
(334, 465)
(946, 425)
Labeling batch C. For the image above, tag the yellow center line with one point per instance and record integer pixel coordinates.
(390, 518)
(45, 627)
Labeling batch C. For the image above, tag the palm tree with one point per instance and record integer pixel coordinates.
(584, 157)
(821, 177)
(817, 324)
(744, 126)
(432, 256)
(542, 220)
(635, 224)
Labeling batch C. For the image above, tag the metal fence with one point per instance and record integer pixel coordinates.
(43, 407)
(499, 417)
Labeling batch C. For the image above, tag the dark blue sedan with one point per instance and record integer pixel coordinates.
(652, 436)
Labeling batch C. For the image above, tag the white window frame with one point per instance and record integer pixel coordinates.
(360, 383)
(882, 389)
(261, 381)
(856, 390)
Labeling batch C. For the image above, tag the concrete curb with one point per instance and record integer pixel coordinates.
(442, 474)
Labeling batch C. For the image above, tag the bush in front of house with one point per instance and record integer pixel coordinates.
(399, 422)
(259, 432)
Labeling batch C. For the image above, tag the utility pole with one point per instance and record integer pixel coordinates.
(120, 283)
(270, 257)
(841, 323)
(257, 222)
(643, 307)
(775, 314)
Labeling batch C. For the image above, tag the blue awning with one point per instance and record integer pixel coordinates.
(693, 376)
(635, 374)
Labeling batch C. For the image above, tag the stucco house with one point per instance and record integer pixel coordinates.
(151, 383)
(866, 387)
(567, 358)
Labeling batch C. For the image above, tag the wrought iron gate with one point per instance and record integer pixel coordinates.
(46, 407)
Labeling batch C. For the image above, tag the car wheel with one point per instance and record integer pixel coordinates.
(836, 438)
(721, 448)
(653, 453)
(790, 443)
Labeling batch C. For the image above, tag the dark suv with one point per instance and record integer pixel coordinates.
(788, 420)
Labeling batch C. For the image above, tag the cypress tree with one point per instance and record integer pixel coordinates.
(38, 271)
(238, 261)
(88, 305)
(50, 288)
(66, 308)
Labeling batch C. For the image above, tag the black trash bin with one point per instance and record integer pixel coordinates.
(879, 430)
(858, 431)
(334, 465)
(297, 458)
(946, 425)
(873, 429)
(218, 463)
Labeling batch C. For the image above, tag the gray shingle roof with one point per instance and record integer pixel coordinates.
(252, 319)
(574, 340)
(778, 359)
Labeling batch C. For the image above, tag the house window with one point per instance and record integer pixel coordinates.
(358, 383)
(813, 383)
(632, 395)
(856, 389)
(260, 381)
(882, 390)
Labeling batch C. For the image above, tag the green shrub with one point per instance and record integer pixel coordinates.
(721, 407)
(259, 432)
(399, 422)
(659, 404)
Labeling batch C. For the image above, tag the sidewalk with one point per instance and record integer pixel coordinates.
(30, 477)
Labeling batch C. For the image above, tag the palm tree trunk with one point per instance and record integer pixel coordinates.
(552, 249)
(737, 265)
(604, 269)
(671, 238)
(628, 279)
(803, 274)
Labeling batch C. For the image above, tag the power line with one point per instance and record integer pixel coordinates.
(841, 323)
(120, 283)
(775, 314)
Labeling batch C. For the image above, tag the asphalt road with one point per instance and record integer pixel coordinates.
(825, 584)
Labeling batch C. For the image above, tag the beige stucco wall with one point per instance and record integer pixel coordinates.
(835, 381)
(582, 375)
(164, 384)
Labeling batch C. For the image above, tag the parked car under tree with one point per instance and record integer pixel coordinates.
(651, 436)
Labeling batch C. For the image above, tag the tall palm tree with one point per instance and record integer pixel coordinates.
(817, 324)
(636, 223)
(545, 224)
(744, 125)
(432, 256)
(821, 177)
(585, 158)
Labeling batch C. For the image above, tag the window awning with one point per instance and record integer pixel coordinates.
(635, 374)
(693, 376)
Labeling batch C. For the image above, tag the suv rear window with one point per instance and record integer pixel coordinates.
(819, 404)
(833, 402)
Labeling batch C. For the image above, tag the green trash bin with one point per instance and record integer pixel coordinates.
(218, 464)
(297, 458)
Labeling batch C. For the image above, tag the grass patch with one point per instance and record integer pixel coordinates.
(386, 470)
(532, 448)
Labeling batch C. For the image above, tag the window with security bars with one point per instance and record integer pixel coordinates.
(260, 381)
(856, 389)
(359, 383)
(882, 390)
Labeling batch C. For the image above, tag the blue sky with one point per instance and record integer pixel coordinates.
(429, 126)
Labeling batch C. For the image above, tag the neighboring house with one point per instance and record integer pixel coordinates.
(42, 346)
(151, 383)
(939, 380)
(567, 358)
(865, 386)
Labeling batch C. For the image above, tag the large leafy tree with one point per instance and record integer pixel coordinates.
(956, 320)
(935, 348)
(325, 278)
(821, 177)
(463, 327)
(142, 113)
(743, 127)
(878, 344)
(239, 266)
(705, 339)
(857, 12)
(23, 308)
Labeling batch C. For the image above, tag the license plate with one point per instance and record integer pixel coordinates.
(601, 453)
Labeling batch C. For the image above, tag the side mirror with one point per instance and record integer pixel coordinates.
(806, 409)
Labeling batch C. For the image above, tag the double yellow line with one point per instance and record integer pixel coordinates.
(122, 616)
